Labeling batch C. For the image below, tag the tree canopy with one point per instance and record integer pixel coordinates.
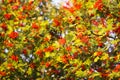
(78, 40)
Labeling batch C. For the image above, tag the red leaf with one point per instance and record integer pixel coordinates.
(117, 30)
(15, 7)
(85, 39)
(98, 4)
(24, 51)
(83, 67)
(64, 59)
(77, 6)
(104, 74)
(32, 65)
(95, 22)
(24, 7)
(14, 57)
(13, 35)
(7, 16)
(35, 26)
(48, 64)
(3, 26)
(8, 43)
(100, 44)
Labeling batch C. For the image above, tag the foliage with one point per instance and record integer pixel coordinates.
(78, 40)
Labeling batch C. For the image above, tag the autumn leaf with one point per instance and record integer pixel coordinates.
(62, 41)
(13, 35)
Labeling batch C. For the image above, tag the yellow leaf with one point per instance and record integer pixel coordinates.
(52, 54)
(95, 54)
(39, 18)
(56, 44)
(65, 66)
(71, 36)
(10, 29)
(39, 79)
(89, 4)
(81, 73)
(87, 62)
(58, 59)
(105, 56)
(29, 72)
(77, 42)
(96, 59)
(47, 54)
(44, 23)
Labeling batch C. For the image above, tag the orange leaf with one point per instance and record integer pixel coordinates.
(99, 53)
(56, 22)
(68, 48)
(2, 73)
(39, 53)
(49, 49)
(117, 68)
(62, 41)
